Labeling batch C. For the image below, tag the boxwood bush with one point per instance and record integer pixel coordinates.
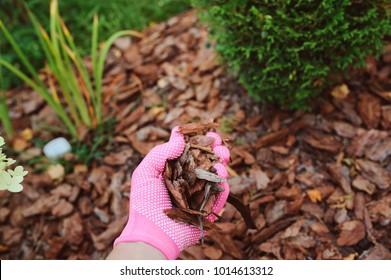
(286, 51)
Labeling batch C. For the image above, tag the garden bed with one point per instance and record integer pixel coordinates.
(318, 183)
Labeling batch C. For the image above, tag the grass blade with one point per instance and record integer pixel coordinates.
(54, 63)
(18, 51)
(4, 114)
(45, 94)
(98, 72)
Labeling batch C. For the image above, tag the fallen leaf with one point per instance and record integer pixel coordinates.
(314, 195)
(80, 168)
(27, 134)
(56, 171)
(340, 92)
(19, 144)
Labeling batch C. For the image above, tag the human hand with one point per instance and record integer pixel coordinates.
(149, 197)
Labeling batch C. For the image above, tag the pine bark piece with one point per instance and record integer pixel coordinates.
(192, 181)
(209, 176)
(351, 233)
(374, 173)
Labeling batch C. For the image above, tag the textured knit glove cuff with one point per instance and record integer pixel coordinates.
(140, 229)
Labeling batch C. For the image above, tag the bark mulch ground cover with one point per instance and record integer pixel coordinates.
(317, 183)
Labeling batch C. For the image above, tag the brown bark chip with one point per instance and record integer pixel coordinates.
(192, 181)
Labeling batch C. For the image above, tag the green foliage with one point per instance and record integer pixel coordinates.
(80, 90)
(285, 52)
(227, 124)
(114, 15)
(10, 179)
(100, 144)
(5, 120)
(4, 116)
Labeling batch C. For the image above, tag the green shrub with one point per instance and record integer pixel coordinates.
(286, 51)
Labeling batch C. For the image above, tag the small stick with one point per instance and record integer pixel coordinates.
(202, 229)
(206, 196)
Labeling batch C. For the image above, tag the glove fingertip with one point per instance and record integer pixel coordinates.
(175, 133)
(223, 154)
(217, 138)
(221, 170)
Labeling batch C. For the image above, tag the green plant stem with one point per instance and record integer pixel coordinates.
(45, 94)
(4, 114)
(98, 67)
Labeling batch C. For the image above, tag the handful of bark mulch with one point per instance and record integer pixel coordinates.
(193, 183)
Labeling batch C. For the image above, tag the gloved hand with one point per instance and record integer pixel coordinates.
(149, 197)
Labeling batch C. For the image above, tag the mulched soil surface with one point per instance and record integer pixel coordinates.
(317, 183)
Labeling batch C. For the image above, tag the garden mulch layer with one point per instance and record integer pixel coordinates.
(317, 183)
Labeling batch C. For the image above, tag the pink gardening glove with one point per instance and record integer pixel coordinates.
(149, 197)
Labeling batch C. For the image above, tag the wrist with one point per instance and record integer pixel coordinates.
(135, 251)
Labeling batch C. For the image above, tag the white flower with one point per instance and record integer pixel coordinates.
(2, 156)
(11, 183)
(5, 179)
(19, 172)
(15, 185)
(10, 161)
(3, 165)
(10, 179)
